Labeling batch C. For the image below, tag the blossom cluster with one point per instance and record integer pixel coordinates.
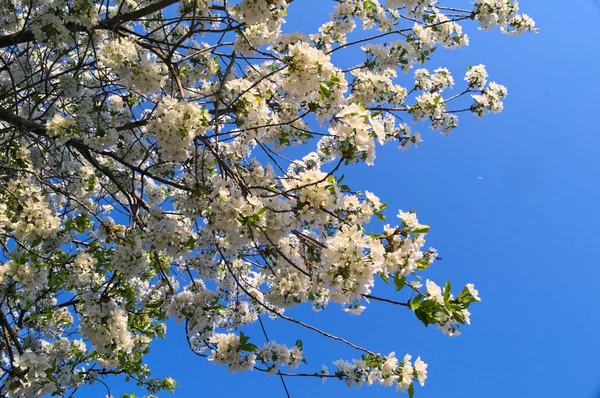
(239, 355)
(135, 67)
(175, 124)
(387, 371)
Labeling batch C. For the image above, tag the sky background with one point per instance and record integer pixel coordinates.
(513, 204)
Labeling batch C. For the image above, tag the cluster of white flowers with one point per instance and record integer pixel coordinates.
(198, 67)
(50, 29)
(405, 252)
(385, 57)
(429, 106)
(8, 25)
(175, 124)
(520, 24)
(443, 32)
(61, 128)
(44, 368)
(415, 7)
(118, 53)
(490, 99)
(85, 272)
(134, 67)
(308, 68)
(105, 325)
(503, 13)
(353, 127)
(240, 313)
(35, 382)
(228, 351)
(84, 13)
(310, 184)
(201, 309)
(31, 278)
(239, 355)
(255, 109)
(387, 371)
(288, 286)
(129, 258)
(334, 31)
(262, 20)
(348, 272)
(156, 193)
(438, 81)
(236, 215)
(199, 8)
(476, 76)
(369, 87)
(277, 355)
(30, 216)
(450, 319)
(166, 232)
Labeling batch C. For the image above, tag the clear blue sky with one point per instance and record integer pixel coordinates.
(526, 232)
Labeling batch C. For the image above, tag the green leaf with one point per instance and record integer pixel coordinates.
(460, 318)
(250, 347)
(415, 303)
(324, 90)
(384, 277)
(243, 339)
(153, 305)
(447, 290)
(54, 281)
(411, 391)
(422, 264)
(421, 229)
(399, 281)
(422, 316)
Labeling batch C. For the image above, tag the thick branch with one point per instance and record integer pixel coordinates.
(11, 332)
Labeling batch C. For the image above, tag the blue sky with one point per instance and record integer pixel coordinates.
(513, 204)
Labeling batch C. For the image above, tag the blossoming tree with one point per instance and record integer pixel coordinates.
(144, 176)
